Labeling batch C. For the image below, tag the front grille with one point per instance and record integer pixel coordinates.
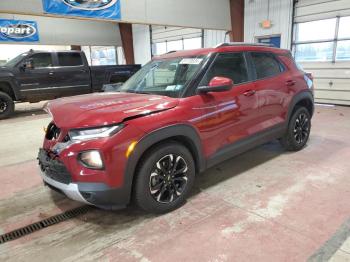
(52, 132)
(53, 168)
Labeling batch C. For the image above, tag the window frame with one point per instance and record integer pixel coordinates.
(31, 57)
(283, 67)
(334, 40)
(61, 66)
(249, 71)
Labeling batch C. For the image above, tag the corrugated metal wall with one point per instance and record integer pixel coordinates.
(215, 37)
(332, 79)
(278, 11)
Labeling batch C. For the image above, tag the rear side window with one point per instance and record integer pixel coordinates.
(230, 65)
(266, 65)
(70, 59)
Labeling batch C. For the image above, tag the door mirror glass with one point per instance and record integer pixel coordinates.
(217, 84)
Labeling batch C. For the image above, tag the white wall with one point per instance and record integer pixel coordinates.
(280, 13)
(142, 47)
(187, 13)
(61, 31)
(9, 51)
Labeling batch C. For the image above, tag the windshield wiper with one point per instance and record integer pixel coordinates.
(138, 92)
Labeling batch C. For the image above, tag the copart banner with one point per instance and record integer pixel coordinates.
(18, 31)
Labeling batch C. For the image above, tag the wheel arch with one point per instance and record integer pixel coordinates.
(7, 88)
(182, 133)
(305, 99)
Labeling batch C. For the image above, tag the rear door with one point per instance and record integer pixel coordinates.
(72, 74)
(37, 81)
(272, 85)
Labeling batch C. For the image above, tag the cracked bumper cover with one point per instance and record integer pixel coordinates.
(58, 178)
(97, 194)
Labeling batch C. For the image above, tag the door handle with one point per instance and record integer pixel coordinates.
(249, 92)
(290, 83)
(51, 73)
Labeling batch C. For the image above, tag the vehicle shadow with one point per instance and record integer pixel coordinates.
(27, 109)
(213, 176)
(127, 222)
(31, 112)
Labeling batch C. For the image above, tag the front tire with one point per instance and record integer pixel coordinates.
(298, 131)
(7, 106)
(164, 178)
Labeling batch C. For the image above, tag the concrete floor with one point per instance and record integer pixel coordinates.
(265, 205)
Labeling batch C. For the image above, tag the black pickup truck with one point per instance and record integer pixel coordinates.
(41, 75)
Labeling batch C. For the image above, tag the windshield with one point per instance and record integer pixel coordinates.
(16, 60)
(164, 77)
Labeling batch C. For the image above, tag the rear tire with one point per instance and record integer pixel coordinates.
(164, 178)
(298, 131)
(7, 106)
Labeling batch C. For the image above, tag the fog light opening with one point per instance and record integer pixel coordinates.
(91, 159)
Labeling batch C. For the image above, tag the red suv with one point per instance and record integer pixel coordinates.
(180, 114)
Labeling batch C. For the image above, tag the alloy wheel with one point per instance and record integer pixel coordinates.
(301, 128)
(3, 106)
(168, 178)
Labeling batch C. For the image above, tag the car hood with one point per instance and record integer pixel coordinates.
(105, 108)
(4, 69)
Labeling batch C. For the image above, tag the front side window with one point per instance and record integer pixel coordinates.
(69, 59)
(230, 65)
(42, 60)
(166, 77)
(266, 65)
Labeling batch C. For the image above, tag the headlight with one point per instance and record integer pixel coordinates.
(93, 133)
(91, 159)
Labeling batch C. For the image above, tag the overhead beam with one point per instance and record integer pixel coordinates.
(127, 42)
(237, 20)
(75, 47)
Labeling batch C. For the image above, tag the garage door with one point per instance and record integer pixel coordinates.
(165, 39)
(321, 45)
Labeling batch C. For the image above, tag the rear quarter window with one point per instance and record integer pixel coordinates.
(69, 59)
(266, 65)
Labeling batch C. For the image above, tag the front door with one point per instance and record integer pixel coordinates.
(232, 115)
(36, 81)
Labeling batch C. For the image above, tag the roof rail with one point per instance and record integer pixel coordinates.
(242, 43)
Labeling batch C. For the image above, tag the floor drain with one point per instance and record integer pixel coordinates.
(29, 229)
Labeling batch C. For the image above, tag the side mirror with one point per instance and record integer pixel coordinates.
(217, 84)
(28, 64)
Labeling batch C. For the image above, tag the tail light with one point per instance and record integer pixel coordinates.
(309, 79)
(310, 76)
